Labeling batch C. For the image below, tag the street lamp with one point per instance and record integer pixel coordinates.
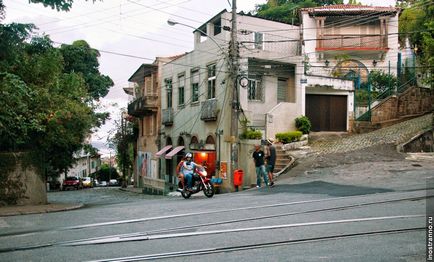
(111, 147)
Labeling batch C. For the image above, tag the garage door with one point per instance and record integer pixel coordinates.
(326, 112)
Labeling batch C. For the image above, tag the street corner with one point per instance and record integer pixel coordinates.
(37, 209)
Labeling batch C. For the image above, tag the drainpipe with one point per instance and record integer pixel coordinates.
(218, 133)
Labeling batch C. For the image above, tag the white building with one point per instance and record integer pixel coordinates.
(345, 41)
(196, 94)
(85, 164)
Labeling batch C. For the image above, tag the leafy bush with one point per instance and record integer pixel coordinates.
(362, 96)
(381, 81)
(251, 134)
(302, 123)
(289, 137)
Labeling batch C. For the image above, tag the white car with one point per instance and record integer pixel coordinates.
(113, 182)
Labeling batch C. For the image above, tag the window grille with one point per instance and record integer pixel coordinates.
(181, 84)
(194, 86)
(254, 90)
(169, 92)
(259, 38)
(211, 81)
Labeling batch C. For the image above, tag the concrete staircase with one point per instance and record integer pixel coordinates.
(283, 161)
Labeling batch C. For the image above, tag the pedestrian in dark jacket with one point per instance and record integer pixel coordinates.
(259, 159)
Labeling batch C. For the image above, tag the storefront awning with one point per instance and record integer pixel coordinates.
(174, 152)
(163, 150)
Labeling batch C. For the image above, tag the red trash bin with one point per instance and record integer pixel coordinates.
(238, 178)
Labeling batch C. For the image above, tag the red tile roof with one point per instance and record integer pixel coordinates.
(349, 9)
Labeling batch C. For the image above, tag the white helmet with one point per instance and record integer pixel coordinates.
(188, 155)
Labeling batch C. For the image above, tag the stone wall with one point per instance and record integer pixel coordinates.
(413, 102)
(19, 182)
(385, 111)
(421, 143)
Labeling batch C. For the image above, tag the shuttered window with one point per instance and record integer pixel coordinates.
(194, 86)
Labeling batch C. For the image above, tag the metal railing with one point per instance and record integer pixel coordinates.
(355, 41)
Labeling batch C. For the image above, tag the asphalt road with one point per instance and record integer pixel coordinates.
(341, 210)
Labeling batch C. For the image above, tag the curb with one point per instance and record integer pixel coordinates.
(38, 209)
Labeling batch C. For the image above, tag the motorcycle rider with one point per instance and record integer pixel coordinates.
(187, 169)
(178, 171)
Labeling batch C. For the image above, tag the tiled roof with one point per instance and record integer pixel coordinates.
(175, 56)
(349, 9)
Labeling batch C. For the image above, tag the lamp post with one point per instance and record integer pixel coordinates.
(234, 67)
(111, 147)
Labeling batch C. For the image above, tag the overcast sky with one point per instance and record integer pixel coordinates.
(128, 27)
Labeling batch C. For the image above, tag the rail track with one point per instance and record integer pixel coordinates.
(173, 232)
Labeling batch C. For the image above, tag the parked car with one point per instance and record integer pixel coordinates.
(113, 182)
(87, 182)
(101, 184)
(72, 182)
(54, 184)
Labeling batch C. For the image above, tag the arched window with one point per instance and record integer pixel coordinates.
(194, 143)
(351, 69)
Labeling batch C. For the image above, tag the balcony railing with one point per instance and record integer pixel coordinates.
(209, 110)
(144, 105)
(167, 116)
(352, 42)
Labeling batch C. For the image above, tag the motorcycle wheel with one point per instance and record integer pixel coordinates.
(210, 191)
(186, 194)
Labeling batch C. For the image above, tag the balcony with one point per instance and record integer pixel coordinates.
(352, 43)
(167, 115)
(209, 110)
(143, 106)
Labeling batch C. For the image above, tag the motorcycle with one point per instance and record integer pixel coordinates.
(200, 182)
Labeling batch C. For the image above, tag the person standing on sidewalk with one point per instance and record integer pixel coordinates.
(271, 160)
(258, 158)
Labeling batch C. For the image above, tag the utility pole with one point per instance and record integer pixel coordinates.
(233, 64)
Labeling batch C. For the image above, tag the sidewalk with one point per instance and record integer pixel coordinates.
(36, 209)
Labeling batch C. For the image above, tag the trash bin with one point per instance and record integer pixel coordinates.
(238, 178)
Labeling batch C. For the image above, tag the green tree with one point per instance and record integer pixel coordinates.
(59, 5)
(47, 107)
(125, 136)
(417, 24)
(287, 10)
(105, 173)
(81, 58)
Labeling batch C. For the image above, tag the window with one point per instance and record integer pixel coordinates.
(148, 86)
(169, 92)
(194, 86)
(149, 120)
(254, 90)
(93, 164)
(211, 81)
(217, 27)
(259, 38)
(181, 84)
